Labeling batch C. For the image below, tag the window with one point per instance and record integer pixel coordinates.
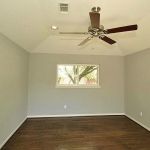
(77, 75)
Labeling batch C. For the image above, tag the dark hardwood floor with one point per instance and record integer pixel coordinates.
(80, 133)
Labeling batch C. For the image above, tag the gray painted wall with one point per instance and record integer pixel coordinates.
(45, 99)
(137, 86)
(13, 86)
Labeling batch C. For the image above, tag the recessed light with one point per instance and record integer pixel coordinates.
(54, 27)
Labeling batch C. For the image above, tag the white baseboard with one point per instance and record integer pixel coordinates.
(12, 133)
(138, 122)
(76, 115)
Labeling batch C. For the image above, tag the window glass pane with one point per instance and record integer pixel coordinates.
(67, 74)
(88, 74)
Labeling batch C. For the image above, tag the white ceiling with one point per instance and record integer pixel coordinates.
(28, 23)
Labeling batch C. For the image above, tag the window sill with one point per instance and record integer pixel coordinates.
(63, 86)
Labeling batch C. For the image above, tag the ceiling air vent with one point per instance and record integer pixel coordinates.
(64, 8)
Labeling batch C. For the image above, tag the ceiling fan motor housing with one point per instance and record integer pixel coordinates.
(101, 28)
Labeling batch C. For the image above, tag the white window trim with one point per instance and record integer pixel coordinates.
(78, 85)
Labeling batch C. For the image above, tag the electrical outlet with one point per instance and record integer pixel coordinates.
(141, 114)
(65, 106)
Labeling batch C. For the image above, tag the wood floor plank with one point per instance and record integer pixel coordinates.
(80, 133)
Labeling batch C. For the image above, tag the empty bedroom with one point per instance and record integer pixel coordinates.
(74, 75)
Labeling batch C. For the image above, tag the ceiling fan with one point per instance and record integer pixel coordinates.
(97, 30)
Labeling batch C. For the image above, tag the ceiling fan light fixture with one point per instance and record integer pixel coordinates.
(54, 27)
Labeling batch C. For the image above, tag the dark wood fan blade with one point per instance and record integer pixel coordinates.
(95, 19)
(107, 39)
(85, 41)
(73, 32)
(122, 29)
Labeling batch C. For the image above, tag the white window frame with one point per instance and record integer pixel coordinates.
(78, 85)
